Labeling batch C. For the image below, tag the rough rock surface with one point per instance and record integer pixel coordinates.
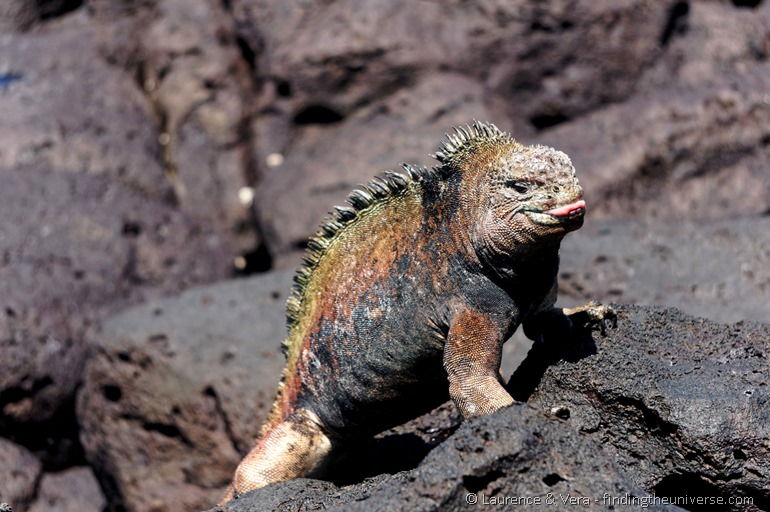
(514, 453)
(718, 269)
(76, 247)
(178, 389)
(679, 402)
(196, 77)
(705, 41)
(73, 490)
(698, 152)
(19, 474)
(191, 72)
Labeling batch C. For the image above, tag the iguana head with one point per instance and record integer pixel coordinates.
(515, 197)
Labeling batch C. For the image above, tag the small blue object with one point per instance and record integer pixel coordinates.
(7, 79)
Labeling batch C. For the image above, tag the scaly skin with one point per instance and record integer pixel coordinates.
(407, 298)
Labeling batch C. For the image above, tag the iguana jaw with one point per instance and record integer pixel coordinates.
(565, 214)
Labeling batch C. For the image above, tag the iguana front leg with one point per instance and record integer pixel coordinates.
(472, 361)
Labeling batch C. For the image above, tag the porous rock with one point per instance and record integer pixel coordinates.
(677, 402)
(350, 53)
(76, 247)
(514, 454)
(680, 402)
(178, 389)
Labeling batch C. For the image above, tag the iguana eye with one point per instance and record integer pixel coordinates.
(519, 186)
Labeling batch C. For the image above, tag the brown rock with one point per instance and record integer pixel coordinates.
(22, 14)
(72, 490)
(680, 152)
(349, 53)
(703, 41)
(192, 73)
(69, 111)
(19, 473)
(178, 390)
(719, 270)
(76, 247)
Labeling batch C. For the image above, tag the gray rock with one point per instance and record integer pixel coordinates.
(72, 490)
(719, 269)
(178, 390)
(680, 402)
(76, 247)
(191, 72)
(194, 75)
(19, 473)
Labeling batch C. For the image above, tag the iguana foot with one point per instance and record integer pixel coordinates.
(592, 315)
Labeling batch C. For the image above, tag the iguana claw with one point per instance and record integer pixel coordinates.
(591, 315)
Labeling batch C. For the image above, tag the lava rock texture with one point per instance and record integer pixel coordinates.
(153, 149)
(666, 404)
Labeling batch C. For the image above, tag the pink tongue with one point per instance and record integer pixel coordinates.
(567, 209)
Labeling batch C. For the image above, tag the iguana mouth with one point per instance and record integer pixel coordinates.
(559, 215)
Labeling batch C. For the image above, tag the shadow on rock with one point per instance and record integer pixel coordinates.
(544, 354)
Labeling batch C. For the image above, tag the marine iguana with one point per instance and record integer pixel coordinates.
(406, 297)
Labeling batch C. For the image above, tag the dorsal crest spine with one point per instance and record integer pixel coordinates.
(464, 139)
(382, 189)
(378, 190)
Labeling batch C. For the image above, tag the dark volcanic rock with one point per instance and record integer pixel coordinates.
(178, 389)
(76, 247)
(334, 79)
(19, 473)
(718, 269)
(681, 402)
(687, 152)
(515, 453)
(73, 490)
